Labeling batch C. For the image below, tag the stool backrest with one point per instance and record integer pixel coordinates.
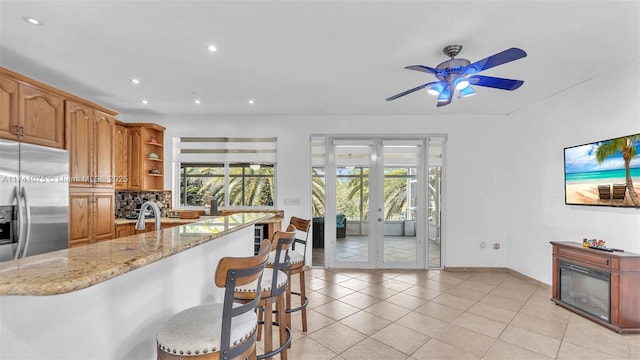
(301, 227)
(283, 241)
(233, 271)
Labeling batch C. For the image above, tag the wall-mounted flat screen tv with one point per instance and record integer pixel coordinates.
(603, 173)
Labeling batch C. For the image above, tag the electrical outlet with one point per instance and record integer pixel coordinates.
(496, 246)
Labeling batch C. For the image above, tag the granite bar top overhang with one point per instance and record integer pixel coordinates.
(80, 267)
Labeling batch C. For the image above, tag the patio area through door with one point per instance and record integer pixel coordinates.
(374, 216)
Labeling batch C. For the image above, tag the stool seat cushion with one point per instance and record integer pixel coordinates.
(266, 284)
(295, 258)
(197, 330)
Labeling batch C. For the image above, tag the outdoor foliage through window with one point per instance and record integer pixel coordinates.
(352, 189)
(246, 187)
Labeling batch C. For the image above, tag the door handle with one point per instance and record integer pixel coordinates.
(27, 235)
(20, 220)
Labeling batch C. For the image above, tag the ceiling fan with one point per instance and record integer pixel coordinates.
(459, 74)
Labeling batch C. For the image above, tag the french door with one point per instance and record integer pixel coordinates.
(376, 203)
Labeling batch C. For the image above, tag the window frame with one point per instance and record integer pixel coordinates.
(228, 176)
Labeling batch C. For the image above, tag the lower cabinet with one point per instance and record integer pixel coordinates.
(123, 230)
(90, 215)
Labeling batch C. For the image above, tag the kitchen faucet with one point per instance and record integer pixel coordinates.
(156, 213)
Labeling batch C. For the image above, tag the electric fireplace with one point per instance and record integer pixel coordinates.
(602, 285)
(586, 289)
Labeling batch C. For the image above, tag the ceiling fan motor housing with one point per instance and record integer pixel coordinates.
(451, 68)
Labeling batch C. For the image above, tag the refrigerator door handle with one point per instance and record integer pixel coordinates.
(27, 234)
(20, 219)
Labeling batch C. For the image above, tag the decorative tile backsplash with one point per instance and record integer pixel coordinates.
(126, 201)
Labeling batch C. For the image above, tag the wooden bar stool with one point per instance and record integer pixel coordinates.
(274, 285)
(206, 331)
(297, 265)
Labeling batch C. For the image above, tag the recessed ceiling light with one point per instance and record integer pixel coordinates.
(251, 102)
(144, 101)
(212, 48)
(135, 81)
(197, 101)
(33, 21)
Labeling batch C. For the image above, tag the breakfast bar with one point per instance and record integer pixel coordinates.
(105, 300)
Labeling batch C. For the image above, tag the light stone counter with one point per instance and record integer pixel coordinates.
(80, 267)
(107, 300)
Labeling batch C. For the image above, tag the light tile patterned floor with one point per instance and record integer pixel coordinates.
(419, 314)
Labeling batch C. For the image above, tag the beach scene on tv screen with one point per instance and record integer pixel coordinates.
(604, 173)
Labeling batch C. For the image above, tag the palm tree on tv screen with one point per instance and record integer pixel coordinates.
(626, 146)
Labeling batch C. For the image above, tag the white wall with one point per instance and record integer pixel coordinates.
(475, 171)
(605, 107)
(504, 174)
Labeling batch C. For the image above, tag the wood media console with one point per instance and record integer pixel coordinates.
(603, 286)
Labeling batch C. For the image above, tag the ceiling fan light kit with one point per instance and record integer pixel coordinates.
(459, 74)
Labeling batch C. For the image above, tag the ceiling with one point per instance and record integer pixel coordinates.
(310, 57)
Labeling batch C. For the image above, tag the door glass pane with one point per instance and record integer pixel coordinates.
(400, 243)
(435, 201)
(352, 215)
(318, 211)
(353, 160)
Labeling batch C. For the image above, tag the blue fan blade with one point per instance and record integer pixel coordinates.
(495, 60)
(422, 68)
(410, 91)
(468, 91)
(445, 96)
(494, 82)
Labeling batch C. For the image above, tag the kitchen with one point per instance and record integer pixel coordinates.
(84, 205)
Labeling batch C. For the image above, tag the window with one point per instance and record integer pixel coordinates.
(236, 172)
(248, 185)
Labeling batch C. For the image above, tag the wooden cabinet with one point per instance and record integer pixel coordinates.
(41, 116)
(37, 113)
(9, 126)
(121, 156)
(91, 146)
(146, 157)
(123, 230)
(623, 273)
(90, 215)
(135, 159)
(30, 112)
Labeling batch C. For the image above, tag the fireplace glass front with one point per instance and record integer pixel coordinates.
(586, 289)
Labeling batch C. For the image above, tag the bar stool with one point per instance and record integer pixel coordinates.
(272, 289)
(297, 266)
(205, 331)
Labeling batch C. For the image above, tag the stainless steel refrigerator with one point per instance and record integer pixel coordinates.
(34, 199)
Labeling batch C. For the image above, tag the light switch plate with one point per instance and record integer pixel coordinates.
(292, 201)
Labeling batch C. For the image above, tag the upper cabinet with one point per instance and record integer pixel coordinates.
(91, 146)
(30, 112)
(146, 156)
(9, 128)
(121, 156)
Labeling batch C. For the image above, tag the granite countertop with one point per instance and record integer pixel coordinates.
(77, 268)
(172, 220)
(163, 220)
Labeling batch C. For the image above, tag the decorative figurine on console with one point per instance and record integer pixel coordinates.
(592, 243)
